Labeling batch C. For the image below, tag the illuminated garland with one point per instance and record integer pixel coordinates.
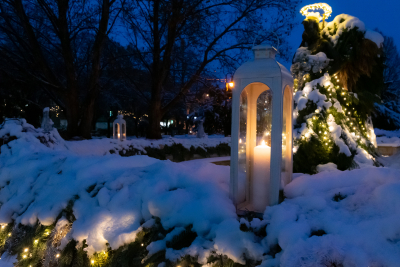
(325, 7)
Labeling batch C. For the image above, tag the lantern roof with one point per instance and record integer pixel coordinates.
(119, 119)
(263, 65)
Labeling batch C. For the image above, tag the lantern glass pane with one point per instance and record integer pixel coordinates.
(254, 147)
(264, 118)
(116, 130)
(287, 126)
(242, 160)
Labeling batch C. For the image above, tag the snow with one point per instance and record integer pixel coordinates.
(329, 167)
(310, 92)
(336, 132)
(37, 182)
(361, 230)
(103, 146)
(375, 37)
(386, 133)
(342, 22)
(305, 61)
(388, 138)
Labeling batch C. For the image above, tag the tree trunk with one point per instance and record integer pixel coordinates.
(85, 127)
(72, 114)
(154, 129)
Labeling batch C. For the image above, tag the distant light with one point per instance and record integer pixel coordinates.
(231, 84)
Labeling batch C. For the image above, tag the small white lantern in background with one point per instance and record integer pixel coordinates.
(119, 128)
(261, 149)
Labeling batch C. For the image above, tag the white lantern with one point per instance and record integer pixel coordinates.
(119, 128)
(261, 149)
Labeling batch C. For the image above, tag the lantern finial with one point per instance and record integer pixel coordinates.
(264, 51)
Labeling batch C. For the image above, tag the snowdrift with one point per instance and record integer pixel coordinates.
(102, 205)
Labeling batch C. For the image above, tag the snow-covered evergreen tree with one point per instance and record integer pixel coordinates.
(338, 78)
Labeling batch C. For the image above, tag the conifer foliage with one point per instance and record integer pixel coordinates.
(338, 75)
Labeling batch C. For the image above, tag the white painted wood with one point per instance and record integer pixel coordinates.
(119, 128)
(252, 78)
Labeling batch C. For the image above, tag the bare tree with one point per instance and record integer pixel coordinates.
(57, 46)
(391, 71)
(200, 32)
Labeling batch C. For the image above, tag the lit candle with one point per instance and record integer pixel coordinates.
(261, 177)
(118, 135)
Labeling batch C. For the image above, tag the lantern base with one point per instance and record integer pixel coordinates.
(247, 207)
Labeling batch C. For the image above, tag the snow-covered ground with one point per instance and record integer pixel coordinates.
(388, 138)
(334, 217)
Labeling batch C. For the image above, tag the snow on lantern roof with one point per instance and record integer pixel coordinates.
(314, 11)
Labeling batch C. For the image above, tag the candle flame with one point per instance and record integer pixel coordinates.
(263, 143)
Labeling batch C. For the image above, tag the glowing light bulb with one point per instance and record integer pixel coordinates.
(92, 261)
(36, 241)
(26, 250)
(24, 256)
(58, 255)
